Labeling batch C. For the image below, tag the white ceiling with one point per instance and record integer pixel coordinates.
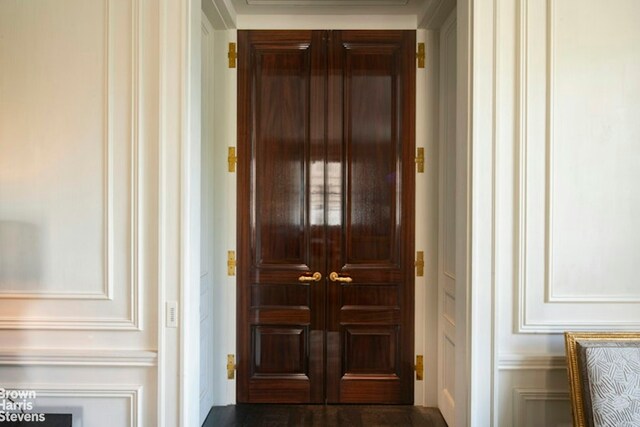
(331, 7)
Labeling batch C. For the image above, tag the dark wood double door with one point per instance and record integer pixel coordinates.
(325, 216)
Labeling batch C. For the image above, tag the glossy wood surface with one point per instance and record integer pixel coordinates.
(325, 184)
(281, 145)
(371, 133)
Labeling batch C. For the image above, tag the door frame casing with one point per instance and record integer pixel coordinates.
(470, 382)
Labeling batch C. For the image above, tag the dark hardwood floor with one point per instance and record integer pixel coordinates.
(320, 415)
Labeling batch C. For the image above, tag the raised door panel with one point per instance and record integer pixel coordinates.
(371, 147)
(370, 186)
(281, 222)
(325, 184)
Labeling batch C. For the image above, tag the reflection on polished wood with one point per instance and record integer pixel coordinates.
(326, 123)
(281, 237)
(370, 134)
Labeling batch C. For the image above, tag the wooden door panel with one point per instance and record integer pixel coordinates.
(371, 350)
(278, 295)
(365, 295)
(371, 106)
(281, 237)
(377, 390)
(280, 144)
(325, 184)
(279, 350)
(371, 143)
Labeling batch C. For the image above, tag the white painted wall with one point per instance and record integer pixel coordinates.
(556, 129)
(553, 126)
(78, 207)
(99, 207)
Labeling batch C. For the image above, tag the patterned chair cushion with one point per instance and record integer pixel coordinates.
(613, 385)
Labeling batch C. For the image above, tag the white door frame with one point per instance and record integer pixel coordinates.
(475, 219)
(178, 243)
(179, 207)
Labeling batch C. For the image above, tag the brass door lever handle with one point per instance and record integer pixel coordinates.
(335, 277)
(315, 277)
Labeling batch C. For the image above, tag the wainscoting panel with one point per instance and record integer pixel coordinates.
(565, 199)
(536, 407)
(69, 165)
(89, 405)
(99, 388)
(533, 392)
(578, 155)
(78, 207)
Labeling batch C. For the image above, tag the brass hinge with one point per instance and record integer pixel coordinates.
(419, 368)
(232, 55)
(231, 366)
(420, 159)
(232, 159)
(231, 263)
(420, 55)
(419, 263)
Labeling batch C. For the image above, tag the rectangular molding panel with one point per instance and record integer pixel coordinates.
(578, 228)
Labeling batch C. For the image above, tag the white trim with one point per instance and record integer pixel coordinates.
(317, 3)
(465, 380)
(68, 323)
(477, 219)
(521, 184)
(179, 211)
(63, 357)
(227, 13)
(553, 327)
(518, 362)
(593, 299)
(108, 152)
(496, 160)
(435, 13)
(189, 224)
(6, 294)
(135, 302)
(165, 360)
(327, 22)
